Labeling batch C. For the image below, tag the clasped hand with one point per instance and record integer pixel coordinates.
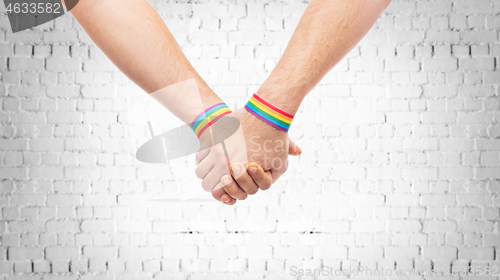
(262, 146)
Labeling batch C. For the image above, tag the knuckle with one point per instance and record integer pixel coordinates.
(243, 179)
(222, 163)
(198, 173)
(207, 186)
(231, 190)
(258, 175)
(235, 192)
(198, 157)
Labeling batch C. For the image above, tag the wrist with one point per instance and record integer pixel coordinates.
(286, 99)
(269, 113)
(202, 124)
(209, 100)
(208, 97)
(187, 99)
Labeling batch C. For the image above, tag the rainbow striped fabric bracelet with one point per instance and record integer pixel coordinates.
(210, 116)
(268, 113)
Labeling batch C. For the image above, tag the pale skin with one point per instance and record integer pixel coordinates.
(135, 38)
(327, 31)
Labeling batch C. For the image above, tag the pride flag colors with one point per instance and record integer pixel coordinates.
(268, 113)
(210, 116)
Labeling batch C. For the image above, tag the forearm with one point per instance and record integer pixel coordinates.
(136, 40)
(327, 31)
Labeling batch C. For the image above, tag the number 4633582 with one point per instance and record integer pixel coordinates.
(34, 8)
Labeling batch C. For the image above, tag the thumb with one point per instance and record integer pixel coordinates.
(293, 149)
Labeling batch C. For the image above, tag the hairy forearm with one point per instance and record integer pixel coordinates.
(137, 41)
(327, 31)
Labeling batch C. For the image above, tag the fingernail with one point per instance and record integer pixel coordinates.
(226, 181)
(237, 170)
(253, 169)
(228, 200)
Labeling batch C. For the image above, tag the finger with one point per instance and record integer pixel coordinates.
(203, 168)
(243, 179)
(293, 149)
(232, 188)
(228, 200)
(200, 155)
(220, 194)
(213, 178)
(261, 178)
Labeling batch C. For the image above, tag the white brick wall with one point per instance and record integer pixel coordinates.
(401, 162)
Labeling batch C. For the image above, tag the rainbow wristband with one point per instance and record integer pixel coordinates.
(268, 113)
(210, 116)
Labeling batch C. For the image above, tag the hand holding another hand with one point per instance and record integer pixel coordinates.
(266, 147)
